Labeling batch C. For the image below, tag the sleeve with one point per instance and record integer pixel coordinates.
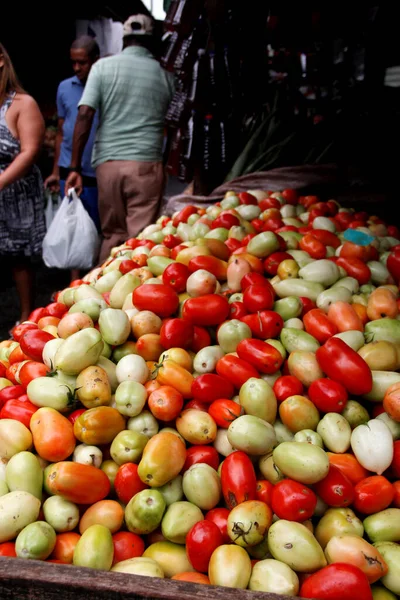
(171, 85)
(92, 93)
(61, 112)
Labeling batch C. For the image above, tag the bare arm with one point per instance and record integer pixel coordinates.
(30, 131)
(82, 129)
(53, 180)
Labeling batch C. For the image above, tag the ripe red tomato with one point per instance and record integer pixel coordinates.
(128, 483)
(224, 412)
(273, 224)
(159, 298)
(355, 267)
(287, 385)
(238, 479)
(236, 370)
(127, 545)
(291, 196)
(19, 410)
(293, 501)
(264, 357)
(10, 393)
(396, 498)
(307, 305)
(266, 324)
(225, 220)
(201, 339)
(337, 581)
(33, 342)
(197, 405)
(56, 309)
(219, 516)
(19, 330)
(269, 203)
(272, 262)
(171, 241)
(201, 454)
(76, 414)
(184, 214)
(341, 363)
(314, 247)
(254, 279)
(258, 297)
(393, 264)
(8, 549)
(264, 491)
(394, 467)
(328, 395)
(246, 198)
(176, 333)
(206, 311)
(373, 494)
(32, 370)
(37, 314)
(201, 541)
(238, 310)
(209, 387)
(165, 403)
(126, 266)
(326, 237)
(335, 489)
(317, 324)
(232, 244)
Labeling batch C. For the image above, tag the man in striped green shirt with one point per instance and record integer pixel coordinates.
(131, 93)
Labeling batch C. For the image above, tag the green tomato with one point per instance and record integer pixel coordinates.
(231, 333)
(130, 398)
(145, 511)
(36, 541)
(128, 447)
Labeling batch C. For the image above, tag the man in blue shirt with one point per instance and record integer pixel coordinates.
(84, 53)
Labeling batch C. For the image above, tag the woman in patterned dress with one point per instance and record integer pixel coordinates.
(22, 224)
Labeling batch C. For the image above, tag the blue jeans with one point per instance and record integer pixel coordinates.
(89, 201)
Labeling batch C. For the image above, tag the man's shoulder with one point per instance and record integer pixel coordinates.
(66, 83)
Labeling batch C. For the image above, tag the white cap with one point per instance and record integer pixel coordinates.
(138, 25)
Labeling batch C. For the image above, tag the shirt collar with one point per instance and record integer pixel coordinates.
(76, 81)
(138, 51)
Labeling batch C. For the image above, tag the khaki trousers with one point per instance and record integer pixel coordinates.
(129, 198)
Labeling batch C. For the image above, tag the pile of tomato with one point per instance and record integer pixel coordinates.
(219, 403)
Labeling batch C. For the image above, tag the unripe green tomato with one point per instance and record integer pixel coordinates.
(145, 511)
(36, 541)
(61, 514)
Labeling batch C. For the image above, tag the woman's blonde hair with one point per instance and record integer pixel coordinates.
(8, 78)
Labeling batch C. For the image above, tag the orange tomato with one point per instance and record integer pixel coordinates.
(72, 323)
(255, 263)
(149, 346)
(8, 549)
(192, 578)
(17, 356)
(151, 385)
(298, 412)
(213, 265)
(343, 315)
(391, 401)
(361, 311)
(163, 459)
(65, 546)
(165, 403)
(53, 435)
(170, 373)
(106, 512)
(81, 484)
(356, 551)
(180, 356)
(350, 250)
(349, 466)
(98, 426)
(382, 303)
(46, 321)
(12, 371)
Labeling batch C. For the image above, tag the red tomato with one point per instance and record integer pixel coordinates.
(269, 203)
(287, 385)
(396, 498)
(126, 266)
(350, 250)
(201, 541)
(3, 369)
(339, 581)
(273, 224)
(176, 333)
(328, 395)
(184, 214)
(341, 363)
(264, 357)
(290, 196)
(307, 305)
(254, 279)
(32, 370)
(176, 276)
(12, 371)
(317, 324)
(8, 549)
(238, 310)
(238, 479)
(197, 405)
(264, 491)
(75, 415)
(393, 264)
(343, 219)
(257, 298)
(326, 237)
(395, 466)
(373, 494)
(209, 387)
(266, 324)
(349, 466)
(293, 501)
(19, 330)
(224, 412)
(33, 342)
(159, 298)
(165, 403)
(17, 356)
(236, 370)
(335, 489)
(175, 251)
(246, 198)
(219, 516)
(171, 241)
(225, 220)
(10, 393)
(314, 247)
(201, 454)
(128, 483)
(146, 244)
(18, 410)
(355, 267)
(37, 314)
(206, 311)
(258, 225)
(56, 309)
(273, 261)
(232, 244)
(127, 545)
(201, 339)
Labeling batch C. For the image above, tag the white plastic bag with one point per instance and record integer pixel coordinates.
(72, 241)
(52, 205)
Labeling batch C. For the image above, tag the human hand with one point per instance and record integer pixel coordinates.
(52, 183)
(74, 180)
